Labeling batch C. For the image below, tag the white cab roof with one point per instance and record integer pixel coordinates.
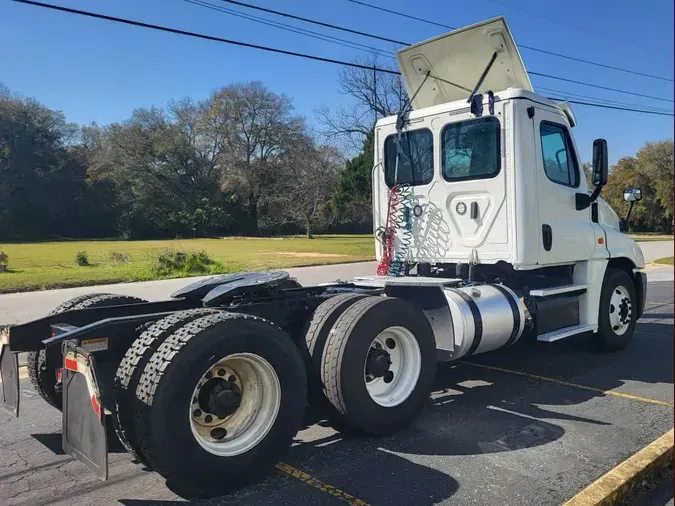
(462, 105)
(456, 60)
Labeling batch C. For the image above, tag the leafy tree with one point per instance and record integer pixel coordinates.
(651, 170)
(351, 200)
(40, 179)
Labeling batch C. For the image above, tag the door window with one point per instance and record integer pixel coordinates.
(471, 150)
(560, 163)
(415, 161)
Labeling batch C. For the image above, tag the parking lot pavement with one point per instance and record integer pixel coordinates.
(531, 425)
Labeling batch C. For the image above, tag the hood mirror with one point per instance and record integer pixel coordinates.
(632, 194)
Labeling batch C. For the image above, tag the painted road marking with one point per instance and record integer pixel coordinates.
(318, 484)
(619, 483)
(567, 383)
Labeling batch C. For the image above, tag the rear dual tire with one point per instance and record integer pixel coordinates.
(364, 333)
(204, 457)
(43, 378)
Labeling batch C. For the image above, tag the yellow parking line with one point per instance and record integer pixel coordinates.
(575, 385)
(318, 484)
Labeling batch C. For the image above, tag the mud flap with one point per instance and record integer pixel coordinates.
(9, 373)
(84, 431)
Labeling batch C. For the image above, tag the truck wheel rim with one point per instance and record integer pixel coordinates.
(398, 349)
(620, 310)
(235, 404)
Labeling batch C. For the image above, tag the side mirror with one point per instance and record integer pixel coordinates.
(600, 164)
(632, 194)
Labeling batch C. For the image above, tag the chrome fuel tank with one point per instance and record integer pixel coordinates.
(483, 318)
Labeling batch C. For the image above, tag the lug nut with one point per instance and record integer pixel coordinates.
(232, 379)
(209, 375)
(197, 413)
(208, 418)
(221, 372)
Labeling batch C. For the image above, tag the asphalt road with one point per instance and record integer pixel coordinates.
(24, 306)
(496, 431)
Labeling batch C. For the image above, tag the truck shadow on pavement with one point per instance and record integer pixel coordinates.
(474, 410)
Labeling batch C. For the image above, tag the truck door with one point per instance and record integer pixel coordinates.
(565, 234)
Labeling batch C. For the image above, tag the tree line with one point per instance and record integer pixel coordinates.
(240, 162)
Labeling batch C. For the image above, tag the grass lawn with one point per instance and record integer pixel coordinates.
(647, 237)
(664, 261)
(36, 266)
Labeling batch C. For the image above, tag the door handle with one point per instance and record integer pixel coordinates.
(547, 236)
(474, 210)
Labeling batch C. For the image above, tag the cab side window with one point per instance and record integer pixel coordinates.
(560, 163)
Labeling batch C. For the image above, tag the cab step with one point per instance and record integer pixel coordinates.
(558, 290)
(556, 335)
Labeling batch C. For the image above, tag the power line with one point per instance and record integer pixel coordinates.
(617, 108)
(566, 23)
(539, 74)
(293, 29)
(236, 2)
(336, 27)
(264, 48)
(314, 22)
(200, 35)
(598, 99)
(550, 53)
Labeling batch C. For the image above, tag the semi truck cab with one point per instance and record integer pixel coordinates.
(481, 173)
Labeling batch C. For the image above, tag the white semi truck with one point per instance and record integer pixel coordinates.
(486, 229)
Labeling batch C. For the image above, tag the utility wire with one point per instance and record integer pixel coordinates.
(266, 48)
(293, 29)
(626, 92)
(550, 53)
(200, 35)
(617, 108)
(336, 27)
(313, 21)
(563, 93)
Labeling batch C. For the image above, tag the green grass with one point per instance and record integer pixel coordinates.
(37, 266)
(664, 261)
(650, 236)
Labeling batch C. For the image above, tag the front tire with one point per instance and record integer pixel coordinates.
(220, 402)
(618, 311)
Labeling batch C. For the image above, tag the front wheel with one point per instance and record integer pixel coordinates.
(617, 317)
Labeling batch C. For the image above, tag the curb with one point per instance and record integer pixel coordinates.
(619, 485)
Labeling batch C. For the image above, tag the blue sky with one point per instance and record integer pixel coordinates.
(97, 71)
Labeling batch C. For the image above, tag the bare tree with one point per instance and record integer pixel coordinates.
(375, 95)
(309, 176)
(260, 129)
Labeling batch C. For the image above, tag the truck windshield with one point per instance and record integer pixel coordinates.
(471, 149)
(416, 160)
